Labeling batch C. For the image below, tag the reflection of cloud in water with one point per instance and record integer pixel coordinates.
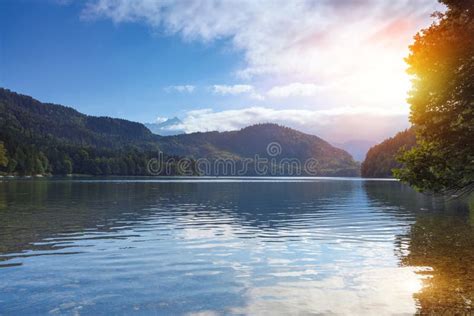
(368, 292)
(312, 277)
(215, 248)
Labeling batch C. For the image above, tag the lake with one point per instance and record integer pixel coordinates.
(212, 246)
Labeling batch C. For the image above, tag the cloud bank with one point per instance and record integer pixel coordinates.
(335, 125)
(294, 89)
(353, 49)
(342, 55)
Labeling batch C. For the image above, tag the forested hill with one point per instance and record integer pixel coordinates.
(381, 158)
(254, 140)
(29, 117)
(43, 138)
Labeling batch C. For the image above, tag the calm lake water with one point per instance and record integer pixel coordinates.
(232, 246)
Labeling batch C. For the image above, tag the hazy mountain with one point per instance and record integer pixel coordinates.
(381, 159)
(357, 148)
(165, 128)
(254, 140)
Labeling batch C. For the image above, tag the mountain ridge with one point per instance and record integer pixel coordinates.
(163, 128)
(245, 143)
(81, 143)
(381, 159)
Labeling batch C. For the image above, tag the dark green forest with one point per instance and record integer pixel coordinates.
(44, 138)
(381, 159)
(38, 138)
(252, 141)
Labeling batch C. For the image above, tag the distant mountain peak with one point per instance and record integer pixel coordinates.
(172, 121)
(167, 127)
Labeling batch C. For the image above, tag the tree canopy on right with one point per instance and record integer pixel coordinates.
(441, 62)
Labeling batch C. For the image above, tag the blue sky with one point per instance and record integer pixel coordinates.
(318, 66)
(102, 68)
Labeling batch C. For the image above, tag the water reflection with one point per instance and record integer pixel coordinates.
(318, 246)
(442, 239)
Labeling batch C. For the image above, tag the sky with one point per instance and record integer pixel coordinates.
(333, 68)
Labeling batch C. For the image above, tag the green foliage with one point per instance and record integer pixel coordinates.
(40, 138)
(381, 159)
(48, 138)
(442, 103)
(3, 155)
(253, 140)
(32, 119)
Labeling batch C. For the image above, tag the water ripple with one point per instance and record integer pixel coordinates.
(225, 246)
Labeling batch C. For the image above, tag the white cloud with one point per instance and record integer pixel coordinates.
(161, 119)
(362, 291)
(355, 47)
(234, 89)
(181, 88)
(237, 89)
(336, 125)
(294, 89)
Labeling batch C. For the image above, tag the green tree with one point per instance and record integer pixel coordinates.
(20, 159)
(381, 159)
(43, 162)
(39, 168)
(11, 165)
(67, 166)
(441, 61)
(3, 156)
